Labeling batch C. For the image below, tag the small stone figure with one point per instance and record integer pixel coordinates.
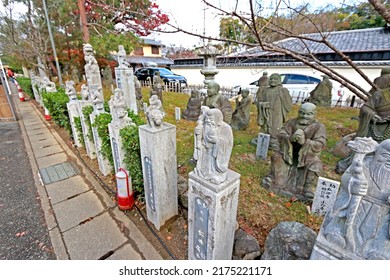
(138, 93)
(383, 81)
(157, 87)
(122, 63)
(296, 166)
(75, 75)
(89, 57)
(84, 92)
(70, 90)
(48, 85)
(213, 146)
(241, 115)
(273, 103)
(358, 227)
(192, 111)
(117, 106)
(154, 113)
(215, 99)
(321, 95)
(264, 80)
(107, 75)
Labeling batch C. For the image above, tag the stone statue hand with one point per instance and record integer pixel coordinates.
(299, 137)
(358, 187)
(377, 119)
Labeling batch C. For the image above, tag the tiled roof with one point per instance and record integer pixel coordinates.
(360, 40)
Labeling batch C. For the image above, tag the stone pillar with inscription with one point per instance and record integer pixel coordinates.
(104, 165)
(73, 111)
(88, 137)
(158, 153)
(212, 190)
(212, 210)
(125, 80)
(120, 120)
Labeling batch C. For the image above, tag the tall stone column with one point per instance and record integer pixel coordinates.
(158, 153)
(209, 70)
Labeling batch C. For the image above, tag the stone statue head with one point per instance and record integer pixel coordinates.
(212, 88)
(214, 117)
(265, 73)
(245, 92)
(380, 165)
(195, 93)
(275, 80)
(87, 48)
(307, 113)
(385, 71)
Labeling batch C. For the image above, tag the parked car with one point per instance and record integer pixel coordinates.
(299, 86)
(147, 74)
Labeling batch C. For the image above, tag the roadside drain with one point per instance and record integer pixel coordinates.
(58, 172)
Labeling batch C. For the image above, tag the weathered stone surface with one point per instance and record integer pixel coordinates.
(340, 148)
(289, 241)
(245, 247)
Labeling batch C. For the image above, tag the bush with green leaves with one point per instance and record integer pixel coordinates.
(25, 85)
(87, 110)
(132, 149)
(101, 123)
(56, 102)
(79, 130)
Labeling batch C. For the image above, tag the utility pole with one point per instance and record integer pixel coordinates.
(52, 44)
(83, 20)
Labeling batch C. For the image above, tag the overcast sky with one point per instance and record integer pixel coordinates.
(189, 15)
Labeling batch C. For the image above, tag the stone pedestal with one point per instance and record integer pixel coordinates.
(104, 165)
(212, 211)
(158, 153)
(73, 111)
(89, 144)
(125, 81)
(118, 153)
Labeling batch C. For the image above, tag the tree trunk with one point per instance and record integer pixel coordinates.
(83, 20)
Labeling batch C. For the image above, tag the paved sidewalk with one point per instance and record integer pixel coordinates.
(83, 221)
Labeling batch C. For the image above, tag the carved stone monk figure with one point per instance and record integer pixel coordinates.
(358, 227)
(383, 81)
(213, 146)
(321, 95)
(296, 166)
(192, 111)
(154, 112)
(241, 114)
(215, 99)
(273, 103)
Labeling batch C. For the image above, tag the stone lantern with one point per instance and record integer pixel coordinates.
(209, 53)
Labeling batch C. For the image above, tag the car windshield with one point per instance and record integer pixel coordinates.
(164, 71)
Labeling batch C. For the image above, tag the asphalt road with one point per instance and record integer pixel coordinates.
(23, 231)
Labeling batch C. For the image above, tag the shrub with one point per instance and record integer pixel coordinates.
(55, 102)
(87, 110)
(132, 149)
(25, 84)
(79, 130)
(101, 124)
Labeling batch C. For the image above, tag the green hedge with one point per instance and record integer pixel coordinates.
(55, 102)
(101, 124)
(131, 146)
(25, 85)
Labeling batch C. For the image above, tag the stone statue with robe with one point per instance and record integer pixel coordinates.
(192, 111)
(295, 168)
(321, 95)
(274, 103)
(241, 114)
(213, 146)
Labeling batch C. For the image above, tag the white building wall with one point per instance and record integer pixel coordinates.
(244, 75)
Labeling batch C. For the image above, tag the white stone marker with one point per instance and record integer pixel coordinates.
(158, 153)
(177, 113)
(89, 144)
(325, 196)
(73, 111)
(212, 210)
(262, 146)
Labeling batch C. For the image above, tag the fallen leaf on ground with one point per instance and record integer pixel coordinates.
(20, 234)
